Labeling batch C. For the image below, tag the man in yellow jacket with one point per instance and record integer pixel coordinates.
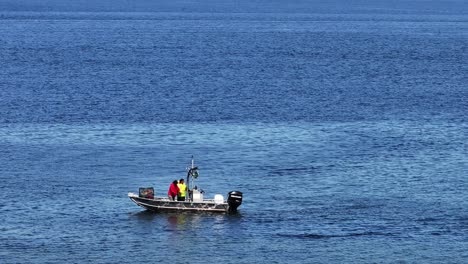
(182, 190)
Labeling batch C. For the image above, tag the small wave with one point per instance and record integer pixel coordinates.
(324, 236)
(294, 171)
(427, 219)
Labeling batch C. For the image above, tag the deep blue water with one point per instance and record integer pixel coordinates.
(344, 123)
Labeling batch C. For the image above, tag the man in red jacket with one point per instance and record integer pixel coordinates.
(173, 191)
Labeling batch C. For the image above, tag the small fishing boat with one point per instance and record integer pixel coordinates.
(194, 201)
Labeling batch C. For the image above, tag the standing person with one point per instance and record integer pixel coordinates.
(182, 190)
(173, 191)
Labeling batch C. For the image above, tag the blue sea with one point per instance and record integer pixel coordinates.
(344, 124)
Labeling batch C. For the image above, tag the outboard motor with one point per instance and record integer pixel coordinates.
(234, 200)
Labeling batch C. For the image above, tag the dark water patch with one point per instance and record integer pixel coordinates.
(463, 221)
(364, 204)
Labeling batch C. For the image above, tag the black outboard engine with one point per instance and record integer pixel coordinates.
(234, 200)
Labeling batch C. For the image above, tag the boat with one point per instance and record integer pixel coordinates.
(195, 201)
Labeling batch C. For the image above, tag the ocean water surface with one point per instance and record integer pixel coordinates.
(344, 125)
